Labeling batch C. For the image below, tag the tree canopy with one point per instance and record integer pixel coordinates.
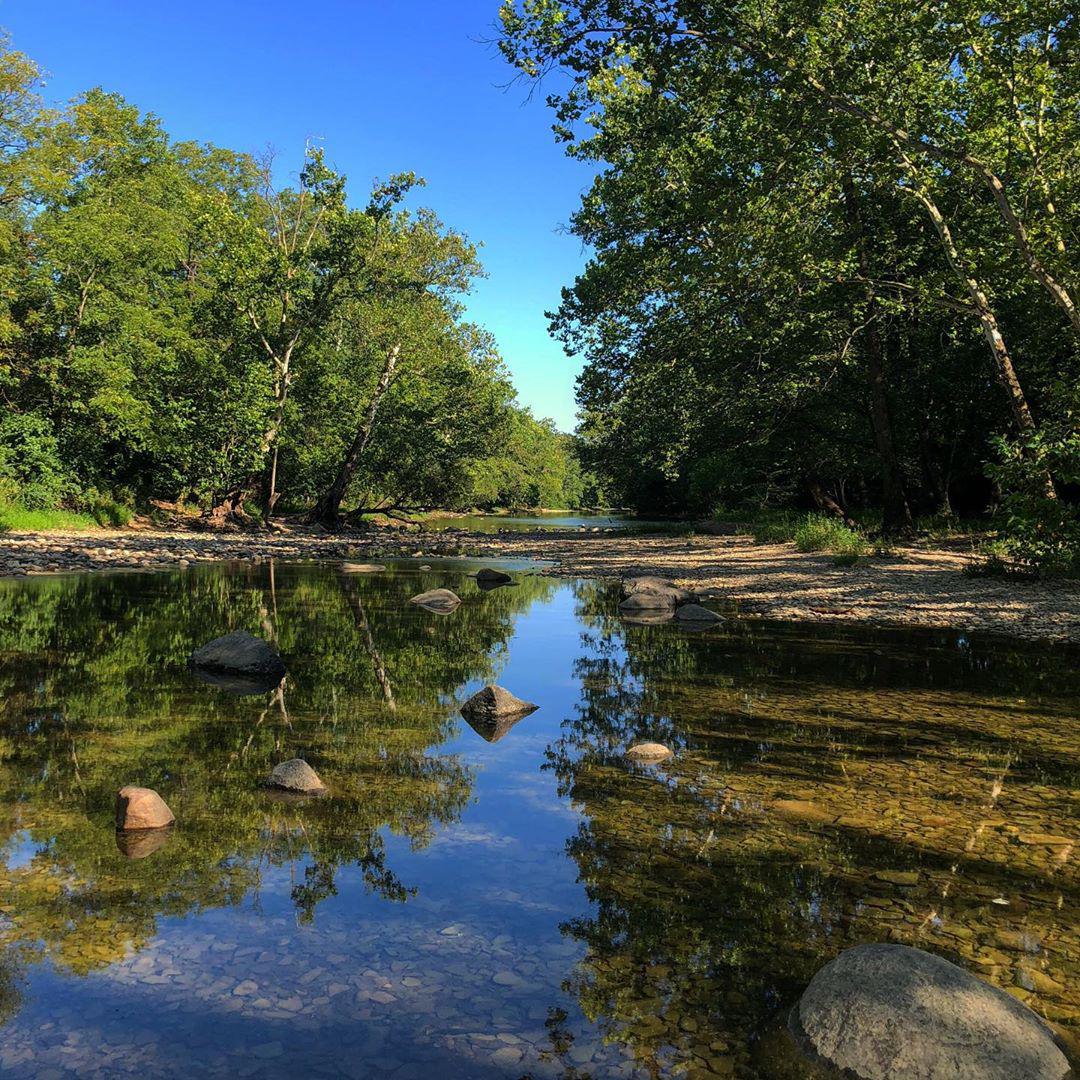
(176, 325)
(835, 249)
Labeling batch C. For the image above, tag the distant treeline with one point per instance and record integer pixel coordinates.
(837, 253)
(173, 326)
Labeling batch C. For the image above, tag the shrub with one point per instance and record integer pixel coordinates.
(819, 533)
(1040, 534)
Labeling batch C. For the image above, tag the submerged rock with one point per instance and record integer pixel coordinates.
(296, 776)
(890, 1012)
(696, 614)
(441, 601)
(141, 808)
(238, 654)
(362, 568)
(487, 576)
(493, 711)
(649, 751)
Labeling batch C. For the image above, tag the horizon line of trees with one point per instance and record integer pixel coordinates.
(175, 326)
(835, 253)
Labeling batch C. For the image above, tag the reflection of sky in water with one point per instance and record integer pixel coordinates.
(537, 896)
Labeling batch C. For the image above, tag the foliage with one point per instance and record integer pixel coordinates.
(819, 533)
(833, 246)
(176, 325)
(1041, 534)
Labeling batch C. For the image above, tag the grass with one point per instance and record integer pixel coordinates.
(18, 519)
(102, 512)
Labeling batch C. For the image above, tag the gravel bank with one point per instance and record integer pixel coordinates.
(914, 586)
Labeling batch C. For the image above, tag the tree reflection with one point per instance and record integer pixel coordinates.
(827, 791)
(94, 693)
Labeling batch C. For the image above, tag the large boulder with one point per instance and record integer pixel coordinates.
(441, 601)
(239, 662)
(890, 1012)
(493, 711)
(141, 808)
(297, 777)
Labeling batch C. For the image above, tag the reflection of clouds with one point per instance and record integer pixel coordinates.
(463, 835)
(537, 790)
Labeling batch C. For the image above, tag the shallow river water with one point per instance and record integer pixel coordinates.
(531, 907)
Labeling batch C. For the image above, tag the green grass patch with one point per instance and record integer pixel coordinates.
(819, 533)
(18, 519)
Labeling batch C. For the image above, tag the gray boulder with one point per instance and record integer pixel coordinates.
(441, 601)
(645, 596)
(296, 776)
(242, 655)
(890, 1012)
(697, 615)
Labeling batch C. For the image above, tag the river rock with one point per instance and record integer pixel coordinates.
(296, 776)
(493, 703)
(493, 711)
(890, 1012)
(649, 751)
(695, 613)
(441, 601)
(646, 596)
(362, 568)
(141, 808)
(487, 576)
(239, 653)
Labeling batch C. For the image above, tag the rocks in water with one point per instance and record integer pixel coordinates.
(653, 599)
(649, 752)
(493, 711)
(362, 568)
(441, 601)
(141, 808)
(296, 776)
(238, 662)
(696, 615)
(890, 1012)
(487, 576)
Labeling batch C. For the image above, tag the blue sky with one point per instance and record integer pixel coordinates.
(387, 85)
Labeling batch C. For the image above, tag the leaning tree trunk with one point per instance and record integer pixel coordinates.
(896, 513)
(329, 506)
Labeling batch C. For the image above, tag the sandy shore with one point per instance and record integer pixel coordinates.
(914, 586)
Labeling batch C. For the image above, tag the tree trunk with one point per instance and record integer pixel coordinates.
(895, 511)
(827, 504)
(327, 508)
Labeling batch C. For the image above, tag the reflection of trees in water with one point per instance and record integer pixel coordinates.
(94, 693)
(812, 776)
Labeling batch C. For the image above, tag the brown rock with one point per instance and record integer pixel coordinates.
(649, 751)
(493, 711)
(141, 808)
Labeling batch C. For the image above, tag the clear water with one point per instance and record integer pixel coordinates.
(531, 907)
(493, 523)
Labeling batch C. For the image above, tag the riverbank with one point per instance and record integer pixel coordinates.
(913, 586)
